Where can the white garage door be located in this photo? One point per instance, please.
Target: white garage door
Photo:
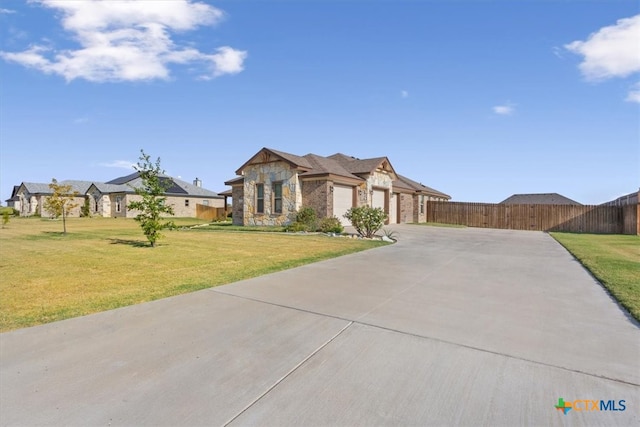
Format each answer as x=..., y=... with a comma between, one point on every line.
x=342, y=202
x=378, y=199
x=393, y=209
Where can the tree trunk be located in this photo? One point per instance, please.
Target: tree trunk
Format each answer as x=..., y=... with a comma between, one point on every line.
x=64, y=221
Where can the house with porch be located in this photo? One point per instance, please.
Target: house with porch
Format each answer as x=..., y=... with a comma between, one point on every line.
x=273, y=185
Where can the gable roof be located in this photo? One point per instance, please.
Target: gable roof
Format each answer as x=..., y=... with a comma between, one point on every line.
x=362, y=166
x=14, y=194
x=175, y=186
x=539, y=199
x=268, y=154
x=409, y=184
x=326, y=166
x=41, y=188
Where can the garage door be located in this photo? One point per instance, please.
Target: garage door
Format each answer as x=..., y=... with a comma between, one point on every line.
x=342, y=202
x=393, y=209
x=378, y=199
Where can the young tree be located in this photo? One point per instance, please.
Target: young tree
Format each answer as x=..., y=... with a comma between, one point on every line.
x=152, y=203
x=61, y=201
x=5, y=217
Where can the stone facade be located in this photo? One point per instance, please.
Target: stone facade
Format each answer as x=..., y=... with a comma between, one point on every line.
x=33, y=204
x=237, y=195
x=268, y=174
x=406, y=208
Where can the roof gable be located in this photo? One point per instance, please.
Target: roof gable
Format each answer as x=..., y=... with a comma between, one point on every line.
x=363, y=166
x=266, y=155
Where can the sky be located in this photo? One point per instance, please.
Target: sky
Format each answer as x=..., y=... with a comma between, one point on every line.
x=478, y=99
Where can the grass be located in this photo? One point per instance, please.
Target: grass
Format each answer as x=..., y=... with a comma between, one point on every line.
x=613, y=259
x=105, y=263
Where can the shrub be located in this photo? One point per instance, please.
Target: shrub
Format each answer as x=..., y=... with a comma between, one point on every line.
x=366, y=220
x=85, y=209
x=331, y=225
x=295, y=227
x=308, y=217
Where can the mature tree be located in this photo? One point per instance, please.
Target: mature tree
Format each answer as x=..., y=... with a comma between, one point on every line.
x=61, y=201
x=152, y=204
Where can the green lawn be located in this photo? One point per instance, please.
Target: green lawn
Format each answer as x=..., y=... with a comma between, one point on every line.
x=613, y=259
x=104, y=263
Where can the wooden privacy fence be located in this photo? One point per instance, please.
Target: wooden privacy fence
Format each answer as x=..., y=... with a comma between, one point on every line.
x=209, y=213
x=585, y=219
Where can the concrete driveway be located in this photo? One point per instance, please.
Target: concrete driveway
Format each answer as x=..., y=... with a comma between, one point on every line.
x=446, y=327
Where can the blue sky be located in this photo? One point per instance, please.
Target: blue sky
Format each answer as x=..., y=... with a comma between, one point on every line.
x=478, y=99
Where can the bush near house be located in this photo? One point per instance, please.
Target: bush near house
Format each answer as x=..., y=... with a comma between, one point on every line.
x=366, y=220
x=331, y=225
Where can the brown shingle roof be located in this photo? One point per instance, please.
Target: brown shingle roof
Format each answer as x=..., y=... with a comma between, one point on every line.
x=324, y=165
x=355, y=165
x=407, y=183
x=539, y=199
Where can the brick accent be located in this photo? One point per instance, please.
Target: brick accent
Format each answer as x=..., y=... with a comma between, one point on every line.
x=406, y=208
x=316, y=195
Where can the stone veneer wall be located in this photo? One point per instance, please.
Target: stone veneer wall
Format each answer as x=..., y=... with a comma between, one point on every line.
x=267, y=174
x=378, y=180
x=417, y=216
x=316, y=195
x=237, y=195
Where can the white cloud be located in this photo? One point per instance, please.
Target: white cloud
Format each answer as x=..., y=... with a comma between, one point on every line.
x=505, y=110
x=128, y=40
x=122, y=164
x=404, y=94
x=6, y=11
x=634, y=94
x=611, y=51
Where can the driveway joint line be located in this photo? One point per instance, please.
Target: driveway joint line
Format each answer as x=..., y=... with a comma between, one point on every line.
x=285, y=376
x=359, y=322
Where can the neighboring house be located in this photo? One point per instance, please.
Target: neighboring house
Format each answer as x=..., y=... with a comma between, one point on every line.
x=274, y=185
x=14, y=201
x=110, y=199
x=539, y=199
x=32, y=197
x=627, y=199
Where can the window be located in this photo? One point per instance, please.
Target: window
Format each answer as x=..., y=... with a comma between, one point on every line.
x=205, y=202
x=118, y=203
x=186, y=203
x=277, y=197
x=259, y=198
x=421, y=204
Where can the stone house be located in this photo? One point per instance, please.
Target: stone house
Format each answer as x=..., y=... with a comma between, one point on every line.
x=110, y=199
x=14, y=200
x=272, y=186
x=33, y=195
